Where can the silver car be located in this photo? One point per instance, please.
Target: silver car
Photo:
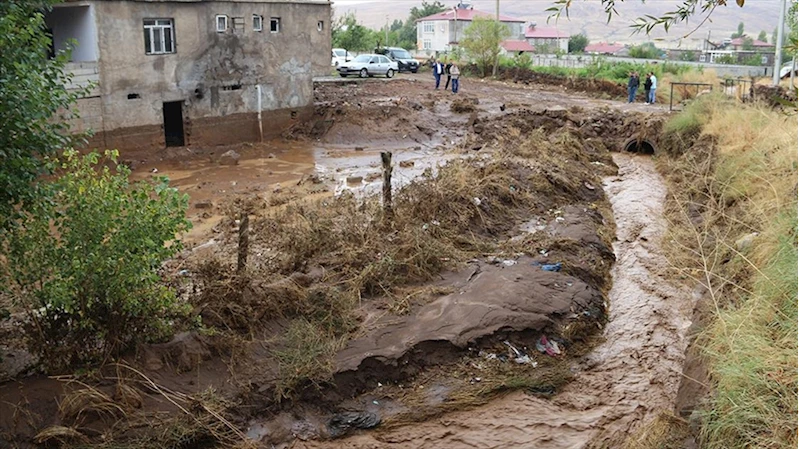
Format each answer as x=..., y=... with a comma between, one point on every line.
x=368, y=65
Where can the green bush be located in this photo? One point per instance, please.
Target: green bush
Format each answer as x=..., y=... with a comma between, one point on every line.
x=83, y=264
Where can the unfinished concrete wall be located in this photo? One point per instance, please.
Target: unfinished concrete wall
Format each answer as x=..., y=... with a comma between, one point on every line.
x=214, y=73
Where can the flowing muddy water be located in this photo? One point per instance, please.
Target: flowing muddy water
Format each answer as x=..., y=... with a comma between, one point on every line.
x=626, y=381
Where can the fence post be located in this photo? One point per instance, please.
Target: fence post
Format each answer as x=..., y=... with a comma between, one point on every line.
x=244, y=242
x=385, y=157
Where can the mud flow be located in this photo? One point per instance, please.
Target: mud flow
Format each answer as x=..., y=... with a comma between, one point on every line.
x=510, y=296
x=624, y=382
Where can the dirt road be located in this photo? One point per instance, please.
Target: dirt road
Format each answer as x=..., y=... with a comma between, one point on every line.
x=624, y=382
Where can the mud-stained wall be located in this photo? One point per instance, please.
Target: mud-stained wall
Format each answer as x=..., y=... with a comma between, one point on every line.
x=214, y=73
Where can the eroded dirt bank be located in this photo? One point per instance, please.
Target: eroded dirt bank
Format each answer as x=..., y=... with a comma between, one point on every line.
x=627, y=380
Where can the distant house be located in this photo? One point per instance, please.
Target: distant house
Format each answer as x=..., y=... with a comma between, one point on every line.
x=443, y=32
x=737, y=44
x=604, y=48
x=544, y=37
x=515, y=47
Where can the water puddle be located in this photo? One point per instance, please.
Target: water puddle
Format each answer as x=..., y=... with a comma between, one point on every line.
x=626, y=381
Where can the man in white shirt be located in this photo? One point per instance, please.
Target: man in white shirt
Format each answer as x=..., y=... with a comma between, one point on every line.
x=654, y=79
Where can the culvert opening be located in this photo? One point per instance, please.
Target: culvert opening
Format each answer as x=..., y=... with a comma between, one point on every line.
x=641, y=146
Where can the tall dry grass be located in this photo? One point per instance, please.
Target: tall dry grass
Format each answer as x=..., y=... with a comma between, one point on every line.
x=734, y=209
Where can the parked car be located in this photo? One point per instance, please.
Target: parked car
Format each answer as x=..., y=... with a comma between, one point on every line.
x=340, y=56
x=368, y=65
x=785, y=71
x=405, y=61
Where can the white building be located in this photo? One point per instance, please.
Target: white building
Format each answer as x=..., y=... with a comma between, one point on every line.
x=442, y=32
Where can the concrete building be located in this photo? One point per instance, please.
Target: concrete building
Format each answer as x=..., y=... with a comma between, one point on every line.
x=443, y=32
x=546, y=39
x=193, y=72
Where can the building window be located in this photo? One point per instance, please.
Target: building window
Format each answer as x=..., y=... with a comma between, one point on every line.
x=159, y=36
x=274, y=24
x=701, y=58
x=429, y=27
x=320, y=25
x=221, y=24
x=257, y=22
x=764, y=60
x=238, y=24
x=427, y=44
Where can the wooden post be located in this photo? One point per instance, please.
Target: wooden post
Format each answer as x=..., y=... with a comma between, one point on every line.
x=385, y=156
x=244, y=242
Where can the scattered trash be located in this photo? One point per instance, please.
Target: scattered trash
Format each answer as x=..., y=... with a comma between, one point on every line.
x=475, y=380
x=559, y=219
x=155, y=170
x=521, y=358
x=476, y=201
x=543, y=252
x=375, y=402
x=509, y=262
x=589, y=186
x=551, y=266
x=183, y=272
x=379, y=385
x=342, y=423
x=546, y=346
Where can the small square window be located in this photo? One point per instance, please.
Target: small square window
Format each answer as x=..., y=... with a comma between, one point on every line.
x=274, y=24
x=238, y=24
x=320, y=25
x=221, y=24
x=257, y=22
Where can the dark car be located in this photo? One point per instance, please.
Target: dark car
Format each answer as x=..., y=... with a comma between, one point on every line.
x=405, y=61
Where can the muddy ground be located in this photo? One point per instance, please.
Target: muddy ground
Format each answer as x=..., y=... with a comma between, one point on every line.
x=519, y=274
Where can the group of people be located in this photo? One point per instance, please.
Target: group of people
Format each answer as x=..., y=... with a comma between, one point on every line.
x=650, y=86
x=451, y=70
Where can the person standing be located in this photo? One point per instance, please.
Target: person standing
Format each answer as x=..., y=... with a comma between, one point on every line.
x=438, y=69
x=654, y=87
x=647, y=87
x=455, y=73
x=449, y=76
x=632, y=87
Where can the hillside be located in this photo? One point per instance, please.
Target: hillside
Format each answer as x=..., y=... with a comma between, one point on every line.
x=589, y=17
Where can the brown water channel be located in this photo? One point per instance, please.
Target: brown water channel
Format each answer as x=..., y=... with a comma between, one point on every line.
x=625, y=382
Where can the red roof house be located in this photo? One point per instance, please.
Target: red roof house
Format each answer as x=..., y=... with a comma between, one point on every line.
x=604, y=48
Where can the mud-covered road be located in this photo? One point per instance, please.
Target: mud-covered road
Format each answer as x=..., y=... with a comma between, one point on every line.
x=626, y=381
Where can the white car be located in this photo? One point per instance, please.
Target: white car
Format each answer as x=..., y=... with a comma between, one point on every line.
x=340, y=56
x=785, y=71
x=369, y=65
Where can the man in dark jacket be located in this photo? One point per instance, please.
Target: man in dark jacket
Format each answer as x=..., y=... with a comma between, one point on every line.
x=632, y=86
x=449, y=76
x=647, y=86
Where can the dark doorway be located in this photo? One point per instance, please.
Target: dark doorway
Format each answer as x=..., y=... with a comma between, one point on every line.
x=173, y=124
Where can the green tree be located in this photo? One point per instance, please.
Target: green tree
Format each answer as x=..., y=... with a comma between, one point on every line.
x=481, y=42
x=645, y=51
x=762, y=37
x=740, y=32
x=688, y=55
x=426, y=9
x=774, y=36
x=748, y=43
x=83, y=263
x=791, y=43
x=577, y=43
x=35, y=105
x=349, y=34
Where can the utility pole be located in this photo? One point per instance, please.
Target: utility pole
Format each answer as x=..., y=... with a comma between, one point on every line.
x=778, y=51
x=496, y=59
